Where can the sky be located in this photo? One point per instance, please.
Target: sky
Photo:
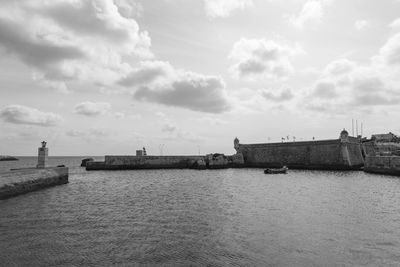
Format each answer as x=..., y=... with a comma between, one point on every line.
x=108, y=77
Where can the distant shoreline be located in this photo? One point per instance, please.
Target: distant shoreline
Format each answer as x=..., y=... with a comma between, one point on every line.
x=8, y=158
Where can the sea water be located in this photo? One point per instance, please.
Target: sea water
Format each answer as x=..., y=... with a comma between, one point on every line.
x=232, y=217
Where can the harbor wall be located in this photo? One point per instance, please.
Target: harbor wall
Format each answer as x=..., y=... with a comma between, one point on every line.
x=127, y=162
x=13, y=183
x=382, y=164
x=336, y=154
x=149, y=162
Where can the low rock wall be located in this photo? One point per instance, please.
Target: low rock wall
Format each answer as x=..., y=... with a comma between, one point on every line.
x=382, y=164
x=18, y=182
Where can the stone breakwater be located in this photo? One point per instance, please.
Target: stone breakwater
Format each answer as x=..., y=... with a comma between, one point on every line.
x=389, y=164
x=211, y=161
x=22, y=181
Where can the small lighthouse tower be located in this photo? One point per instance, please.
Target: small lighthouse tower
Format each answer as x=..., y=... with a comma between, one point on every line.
x=43, y=153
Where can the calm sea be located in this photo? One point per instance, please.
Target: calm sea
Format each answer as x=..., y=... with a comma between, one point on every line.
x=234, y=217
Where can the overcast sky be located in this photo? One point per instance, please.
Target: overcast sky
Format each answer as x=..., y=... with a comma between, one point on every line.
x=187, y=76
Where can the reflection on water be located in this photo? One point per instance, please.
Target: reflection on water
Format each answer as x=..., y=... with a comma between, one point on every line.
x=213, y=217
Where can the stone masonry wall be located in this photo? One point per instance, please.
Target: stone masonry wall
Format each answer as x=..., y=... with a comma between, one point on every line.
x=326, y=154
x=18, y=182
x=382, y=164
x=210, y=161
x=143, y=162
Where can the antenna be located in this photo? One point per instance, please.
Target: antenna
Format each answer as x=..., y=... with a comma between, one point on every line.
x=356, y=127
x=352, y=127
x=361, y=128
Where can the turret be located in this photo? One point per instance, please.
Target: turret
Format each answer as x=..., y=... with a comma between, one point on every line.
x=344, y=136
x=236, y=144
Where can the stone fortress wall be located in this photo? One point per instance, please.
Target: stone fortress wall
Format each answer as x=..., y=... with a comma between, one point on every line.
x=382, y=164
x=337, y=154
x=382, y=154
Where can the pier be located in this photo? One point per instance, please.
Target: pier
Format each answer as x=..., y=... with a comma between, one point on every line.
x=13, y=183
x=21, y=181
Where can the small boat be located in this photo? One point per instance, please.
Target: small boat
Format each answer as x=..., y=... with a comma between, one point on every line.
x=284, y=169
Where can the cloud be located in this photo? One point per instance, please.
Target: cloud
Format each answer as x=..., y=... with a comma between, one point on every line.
x=324, y=89
x=73, y=40
x=173, y=133
x=129, y=9
x=395, y=23
x=339, y=67
x=167, y=125
x=345, y=85
x=213, y=120
x=311, y=12
x=187, y=90
x=255, y=57
x=390, y=52
x=284, y=95
x=376, y=99
x=147, y=72
x=361, y=24
x=18, y=114
x=119, y=115
x=92, y=108
x=224, y=8
x=37, y=53
x=75, y=133
x=88, y=134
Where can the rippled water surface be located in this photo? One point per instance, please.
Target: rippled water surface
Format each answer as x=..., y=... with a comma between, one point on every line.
x=238, y=217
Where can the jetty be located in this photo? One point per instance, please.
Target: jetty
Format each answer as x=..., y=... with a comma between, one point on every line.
x=21, y=181
x=142, y=161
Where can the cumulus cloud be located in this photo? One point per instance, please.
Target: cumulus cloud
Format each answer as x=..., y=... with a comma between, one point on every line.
x=172, y=132
x=213, y=120
x=88, y=134
x=390, y=52
x=92, y=108
x=129, y=9
x=187, y=90
x=361, y=24
x=80, y=40
x=284, y=95
x=167, y=125
x=119, y=115
x=223, y=8
x=339, y=67
x=147, y=72
x=99, y=42
x=18, y=114
x=256, y=57
x=311, y=12
x=324, y=89
x=395, y=23
x=347, y=85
